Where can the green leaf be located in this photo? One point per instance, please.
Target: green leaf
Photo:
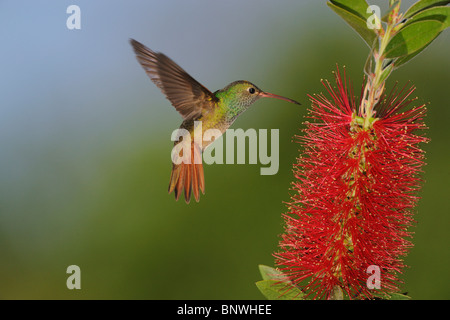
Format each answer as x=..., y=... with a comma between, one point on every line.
x=399, y=296
x=357, y=23
x=441, y=14
x=368, y=64
x=357, y=7
x=276, y=290
x=412, y=38
x=269, y=273
x=424, y=4
x=402, y=60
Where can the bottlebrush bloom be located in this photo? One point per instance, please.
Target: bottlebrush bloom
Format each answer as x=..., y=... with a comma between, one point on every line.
x=355, y=191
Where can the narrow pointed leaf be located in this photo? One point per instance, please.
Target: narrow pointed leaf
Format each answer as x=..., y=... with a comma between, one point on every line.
x=276, y=290
x=413, y=38
x=441, y=14
x=424, y=4
x=368, y=64
x=269, y=273
x=357, y=23
x=357, y=7
x=399, y=296
x=402, y=60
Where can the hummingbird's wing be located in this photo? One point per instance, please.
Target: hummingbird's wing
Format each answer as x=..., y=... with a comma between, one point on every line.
x=187, y=95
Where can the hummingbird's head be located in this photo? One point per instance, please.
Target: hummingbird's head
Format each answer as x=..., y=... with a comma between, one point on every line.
x=246, y=93
x=242, y=92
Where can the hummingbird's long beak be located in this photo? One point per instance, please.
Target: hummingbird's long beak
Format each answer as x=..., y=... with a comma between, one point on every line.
x=271, y=95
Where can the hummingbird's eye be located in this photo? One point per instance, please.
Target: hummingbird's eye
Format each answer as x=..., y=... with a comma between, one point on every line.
x=251, y=90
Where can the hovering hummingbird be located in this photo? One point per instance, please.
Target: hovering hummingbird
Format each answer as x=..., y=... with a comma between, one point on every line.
x=215, y=110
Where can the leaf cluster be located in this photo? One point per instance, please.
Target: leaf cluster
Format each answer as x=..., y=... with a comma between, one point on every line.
x=412, y=31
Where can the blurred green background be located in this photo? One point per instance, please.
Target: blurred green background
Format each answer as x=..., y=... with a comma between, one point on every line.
x=85, y=146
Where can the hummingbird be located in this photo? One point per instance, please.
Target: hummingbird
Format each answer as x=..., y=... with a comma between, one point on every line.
x=215, y=110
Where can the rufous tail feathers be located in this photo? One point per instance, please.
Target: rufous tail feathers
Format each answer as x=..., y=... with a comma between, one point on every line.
x=188, y=176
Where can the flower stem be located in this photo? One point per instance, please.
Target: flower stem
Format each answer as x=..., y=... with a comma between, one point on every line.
x=382, y=68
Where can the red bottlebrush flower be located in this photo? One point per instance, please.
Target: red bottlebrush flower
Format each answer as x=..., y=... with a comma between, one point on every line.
x=354, y=194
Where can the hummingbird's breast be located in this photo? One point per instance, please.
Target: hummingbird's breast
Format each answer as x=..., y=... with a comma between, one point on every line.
x=208, y=127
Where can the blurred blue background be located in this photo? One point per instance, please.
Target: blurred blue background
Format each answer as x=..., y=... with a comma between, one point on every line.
x=85, y=146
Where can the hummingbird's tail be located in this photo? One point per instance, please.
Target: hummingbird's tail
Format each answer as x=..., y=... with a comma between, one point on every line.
x=188, y=176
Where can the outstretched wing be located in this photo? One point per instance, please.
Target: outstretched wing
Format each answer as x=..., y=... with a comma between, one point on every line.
x=187, y=95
